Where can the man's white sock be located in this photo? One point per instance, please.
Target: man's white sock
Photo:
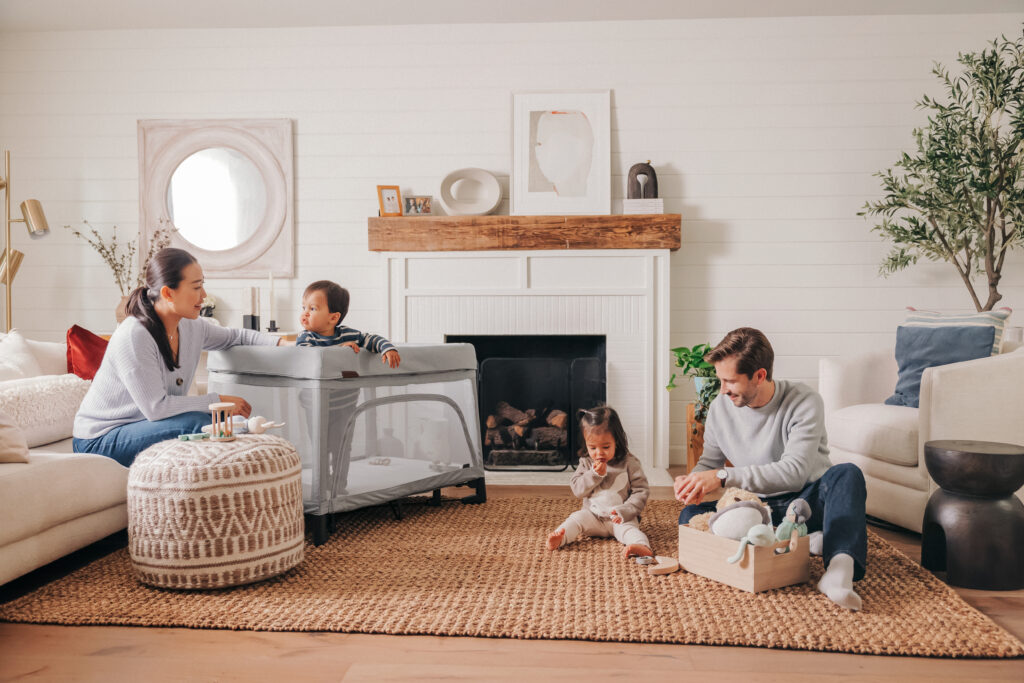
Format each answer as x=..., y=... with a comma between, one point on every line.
x=815, y=540
x=837, y=582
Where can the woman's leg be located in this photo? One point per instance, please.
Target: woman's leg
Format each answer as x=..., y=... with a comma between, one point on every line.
x=125, y=442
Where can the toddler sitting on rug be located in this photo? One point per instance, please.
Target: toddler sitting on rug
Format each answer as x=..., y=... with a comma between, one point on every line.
x=611, y=482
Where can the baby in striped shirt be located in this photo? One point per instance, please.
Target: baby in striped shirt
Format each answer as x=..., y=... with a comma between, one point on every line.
x=324, y=306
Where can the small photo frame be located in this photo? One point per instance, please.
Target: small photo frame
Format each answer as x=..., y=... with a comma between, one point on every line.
x=390, y=199
x=419, y=205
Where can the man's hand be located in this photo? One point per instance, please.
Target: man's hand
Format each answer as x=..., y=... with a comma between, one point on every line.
x=391, y=358
x=616, y=517
x=600, y=467
x=691, y=489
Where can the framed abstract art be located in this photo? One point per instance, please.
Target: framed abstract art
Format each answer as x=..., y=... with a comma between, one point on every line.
x=561, y=153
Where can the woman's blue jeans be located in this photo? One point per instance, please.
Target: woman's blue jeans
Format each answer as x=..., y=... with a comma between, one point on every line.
x=125, y=442
x=837, y=510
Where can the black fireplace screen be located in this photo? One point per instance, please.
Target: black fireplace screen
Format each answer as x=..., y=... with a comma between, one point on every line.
x=530, y=389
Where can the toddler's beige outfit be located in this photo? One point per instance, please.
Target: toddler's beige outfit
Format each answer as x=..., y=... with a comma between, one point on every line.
x=622, y=488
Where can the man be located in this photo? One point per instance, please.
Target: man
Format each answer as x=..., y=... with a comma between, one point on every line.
x=773, y=433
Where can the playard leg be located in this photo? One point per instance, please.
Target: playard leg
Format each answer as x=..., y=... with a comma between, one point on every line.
x=396, y=509
x=435, y=499
x=481, y=492
x=318, y=525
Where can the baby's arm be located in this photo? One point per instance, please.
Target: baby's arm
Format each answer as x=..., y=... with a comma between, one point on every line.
x=378, y=344
x=639, y=491
x=584, y=480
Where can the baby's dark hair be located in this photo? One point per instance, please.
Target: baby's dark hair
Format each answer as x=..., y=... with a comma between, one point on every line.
x=336, y=295
x=605, y=419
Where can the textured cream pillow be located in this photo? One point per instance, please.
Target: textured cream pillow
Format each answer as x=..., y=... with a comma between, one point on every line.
x=16, y=358
x=12, y=442
x=43, y=407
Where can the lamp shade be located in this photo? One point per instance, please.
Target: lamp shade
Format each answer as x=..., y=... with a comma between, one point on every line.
x=16, y=257
x=35, y=219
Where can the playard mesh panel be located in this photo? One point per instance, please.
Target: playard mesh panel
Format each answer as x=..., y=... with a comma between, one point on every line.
x=368, y=439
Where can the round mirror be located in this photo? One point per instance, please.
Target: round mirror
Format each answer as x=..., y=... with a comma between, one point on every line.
x=216, y=198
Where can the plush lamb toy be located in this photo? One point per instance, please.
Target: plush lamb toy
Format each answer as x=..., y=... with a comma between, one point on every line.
x=736, y=525
x=795, y=524
x=759, y=534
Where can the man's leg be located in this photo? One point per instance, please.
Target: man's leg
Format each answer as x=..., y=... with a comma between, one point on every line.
x=125, y=442
x=837, y=509
x=693, y=510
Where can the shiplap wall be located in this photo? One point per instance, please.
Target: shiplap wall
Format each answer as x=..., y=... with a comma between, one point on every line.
x=764, y=132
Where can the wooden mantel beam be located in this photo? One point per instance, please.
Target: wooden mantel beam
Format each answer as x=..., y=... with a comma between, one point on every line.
x=498, y=233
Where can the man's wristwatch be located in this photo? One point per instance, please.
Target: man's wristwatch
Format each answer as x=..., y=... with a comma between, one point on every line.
x=722, y=475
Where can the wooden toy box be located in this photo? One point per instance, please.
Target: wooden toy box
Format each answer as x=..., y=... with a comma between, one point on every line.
x=759, y=569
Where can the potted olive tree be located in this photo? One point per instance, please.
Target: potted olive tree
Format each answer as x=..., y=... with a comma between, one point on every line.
x=960, y=196
x=690, y=359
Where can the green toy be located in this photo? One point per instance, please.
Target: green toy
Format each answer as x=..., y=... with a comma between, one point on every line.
x=794, y=525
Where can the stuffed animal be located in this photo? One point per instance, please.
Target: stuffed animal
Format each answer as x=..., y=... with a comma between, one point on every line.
x=794, y=525
x=730, y=496
x=759, y=534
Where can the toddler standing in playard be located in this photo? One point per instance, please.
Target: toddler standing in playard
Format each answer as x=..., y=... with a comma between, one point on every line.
x=611, y=482
x=324, y=306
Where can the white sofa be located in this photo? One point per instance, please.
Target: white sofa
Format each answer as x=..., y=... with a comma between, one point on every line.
x=57, y=502
x=979, y=399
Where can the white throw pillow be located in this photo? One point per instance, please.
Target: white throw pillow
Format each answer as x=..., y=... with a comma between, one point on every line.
x=51, y=356
x=16, y=358
x=43, y=407
x=12, y=442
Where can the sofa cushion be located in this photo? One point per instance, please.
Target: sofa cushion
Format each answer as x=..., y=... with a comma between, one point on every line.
x=85, y=352
x=43, y=407
x=919, y=348
x=51, y=356
x=53, y=488
x=887, y=433
x=995, y=319
x=12, y=442
x=16, y=358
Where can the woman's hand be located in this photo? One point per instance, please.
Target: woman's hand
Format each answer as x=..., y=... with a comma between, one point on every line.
x=242, y=406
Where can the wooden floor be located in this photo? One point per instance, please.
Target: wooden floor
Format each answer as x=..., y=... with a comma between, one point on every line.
x=108, y=653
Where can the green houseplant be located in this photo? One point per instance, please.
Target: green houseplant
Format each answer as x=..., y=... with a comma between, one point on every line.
x=960, y=196
x=691, y=361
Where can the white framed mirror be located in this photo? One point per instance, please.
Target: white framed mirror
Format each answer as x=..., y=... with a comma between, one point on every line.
x=227, y=186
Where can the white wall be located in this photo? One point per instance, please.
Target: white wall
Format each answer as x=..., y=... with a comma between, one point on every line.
x=764, y=132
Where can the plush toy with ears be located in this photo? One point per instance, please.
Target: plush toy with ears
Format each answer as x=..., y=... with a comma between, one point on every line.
x=795, y=524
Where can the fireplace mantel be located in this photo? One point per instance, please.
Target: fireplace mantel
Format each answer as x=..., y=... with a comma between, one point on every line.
x=504, y=233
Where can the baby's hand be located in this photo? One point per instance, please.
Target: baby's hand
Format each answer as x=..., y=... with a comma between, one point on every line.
x=391, y=358
x=351, y=345
x=616, y=517
x=600, y=467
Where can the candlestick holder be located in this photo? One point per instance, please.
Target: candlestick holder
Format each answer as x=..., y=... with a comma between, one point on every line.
x=272, y=327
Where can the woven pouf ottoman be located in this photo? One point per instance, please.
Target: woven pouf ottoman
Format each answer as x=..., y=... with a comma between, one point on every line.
x=210, y=514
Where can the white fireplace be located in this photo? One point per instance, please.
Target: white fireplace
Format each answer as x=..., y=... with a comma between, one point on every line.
x=622, y=294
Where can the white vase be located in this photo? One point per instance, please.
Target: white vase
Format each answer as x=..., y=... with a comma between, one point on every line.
x=121, y=312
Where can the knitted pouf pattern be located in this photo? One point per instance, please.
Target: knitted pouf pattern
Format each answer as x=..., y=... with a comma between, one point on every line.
x=210, y=514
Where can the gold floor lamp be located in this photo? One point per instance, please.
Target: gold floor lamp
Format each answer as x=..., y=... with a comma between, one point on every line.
x=34, y=220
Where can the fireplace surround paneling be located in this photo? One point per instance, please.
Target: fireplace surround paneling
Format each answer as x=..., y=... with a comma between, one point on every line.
x=621, y=294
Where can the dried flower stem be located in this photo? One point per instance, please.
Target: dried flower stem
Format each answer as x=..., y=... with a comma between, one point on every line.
x=120, y=257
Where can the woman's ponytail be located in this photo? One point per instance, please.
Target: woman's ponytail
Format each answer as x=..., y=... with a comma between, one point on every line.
x=164, y=270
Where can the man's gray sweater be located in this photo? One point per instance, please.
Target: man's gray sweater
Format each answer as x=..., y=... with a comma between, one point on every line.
x=777, y=448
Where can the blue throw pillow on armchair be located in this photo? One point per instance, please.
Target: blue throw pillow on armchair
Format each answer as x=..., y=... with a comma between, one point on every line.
x=918, y=348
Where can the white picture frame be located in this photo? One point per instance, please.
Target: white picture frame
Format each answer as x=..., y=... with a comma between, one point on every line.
x=561, y=153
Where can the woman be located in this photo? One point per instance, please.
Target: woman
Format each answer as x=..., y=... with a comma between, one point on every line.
x=138, y=396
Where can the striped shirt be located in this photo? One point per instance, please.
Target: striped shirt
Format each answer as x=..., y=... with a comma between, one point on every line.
x=133, y=383
x=342, y=334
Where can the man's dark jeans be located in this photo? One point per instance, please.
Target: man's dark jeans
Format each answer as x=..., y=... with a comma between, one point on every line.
x=837, y=509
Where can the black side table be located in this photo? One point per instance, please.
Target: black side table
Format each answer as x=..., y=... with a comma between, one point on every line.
x=974, y=524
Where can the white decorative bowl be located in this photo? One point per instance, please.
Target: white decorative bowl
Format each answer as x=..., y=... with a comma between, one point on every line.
x=470, y=192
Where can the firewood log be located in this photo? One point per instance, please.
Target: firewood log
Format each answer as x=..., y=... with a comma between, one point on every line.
x=549, y=437
x=557, y=418
x=492, y=421
x=513, y=415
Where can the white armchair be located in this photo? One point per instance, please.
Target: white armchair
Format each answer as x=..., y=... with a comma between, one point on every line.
x=980, y=399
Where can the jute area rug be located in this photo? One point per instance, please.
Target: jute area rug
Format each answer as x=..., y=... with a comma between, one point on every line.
x=483, y=571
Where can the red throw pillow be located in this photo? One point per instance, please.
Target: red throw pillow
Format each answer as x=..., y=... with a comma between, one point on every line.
x=85, y=352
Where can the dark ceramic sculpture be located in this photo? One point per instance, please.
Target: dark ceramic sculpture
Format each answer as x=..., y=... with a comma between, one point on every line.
x=648, y=189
